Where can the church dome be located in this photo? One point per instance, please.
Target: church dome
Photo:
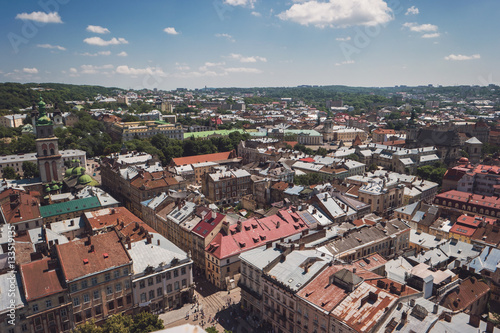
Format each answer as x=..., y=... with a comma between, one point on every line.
x=84, y=179
x=78, y=171
x=55, y=187
x=463, y=160
x=69, y=172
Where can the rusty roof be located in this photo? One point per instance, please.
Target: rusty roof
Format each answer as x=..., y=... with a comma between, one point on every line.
x=469, y=292
x=40, y=280
x=78, y=260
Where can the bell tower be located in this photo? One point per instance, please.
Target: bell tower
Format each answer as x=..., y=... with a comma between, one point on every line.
x=49, y=159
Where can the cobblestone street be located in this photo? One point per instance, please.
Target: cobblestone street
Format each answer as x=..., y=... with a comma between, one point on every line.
x=220, y=309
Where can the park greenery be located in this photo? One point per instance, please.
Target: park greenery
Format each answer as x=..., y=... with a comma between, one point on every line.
x=143, y=322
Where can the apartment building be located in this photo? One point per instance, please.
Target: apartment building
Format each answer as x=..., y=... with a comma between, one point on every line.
x=145, y=129
x=97, y=272
x=226, y=186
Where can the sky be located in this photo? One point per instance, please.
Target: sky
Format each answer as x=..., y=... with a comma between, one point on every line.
x=169, y=44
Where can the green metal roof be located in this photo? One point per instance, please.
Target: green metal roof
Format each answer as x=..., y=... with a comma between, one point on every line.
x=208, y=133
x=69, y=206
x=310, y=132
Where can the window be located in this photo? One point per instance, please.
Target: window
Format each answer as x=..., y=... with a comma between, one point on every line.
x=150, y=281
x=76, y=301
x=84, y=284
x=158, y=279
x=63, y=312
x=169, y=288
x=176, y=273
x=176, y=285
x=143, y=297
x=24, y=327
x=159, y=292
x=97, y=294
x=98, y=310
x=107, y=277
x=88, y=313
x=120, y=302
x=109, y=290
x=228, y=269
x=127, y=284
x=184, y=283
x=117, y=274
x=118, y=287
x=111, y=305
x=86, y=298
x=129, y=299
x=183, y=270
x=125, y=271
x=35, y=307
x=151, y=294
x=94, y=281
x=74, y=287
x=142, y=284
x=78, y=317
x=48, y=303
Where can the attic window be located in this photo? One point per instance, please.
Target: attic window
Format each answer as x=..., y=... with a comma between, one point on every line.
x=105, y=255
x=85, y=261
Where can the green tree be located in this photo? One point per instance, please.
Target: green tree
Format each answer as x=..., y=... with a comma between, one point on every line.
x=88, y=327
x=146, y=322
x=321, y=151
x=118, y=324
x=373, y=167
x=353, y=157
x=30, y=170
x=9, y=173
x=211, y=329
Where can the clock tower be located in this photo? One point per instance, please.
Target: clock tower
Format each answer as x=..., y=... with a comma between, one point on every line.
x=49, y=159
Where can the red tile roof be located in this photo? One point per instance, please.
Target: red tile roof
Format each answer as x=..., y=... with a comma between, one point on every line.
x=72, y=255
x=490, y=234
x=462, y=230
x=153, y=180
x=469, y=292
x=40, y=281
x=280, y=186
x=107, y=217
x=255, y=232
x=204, y=158
x=19, y=206
x=475, y=199
x=474, y=221
x=208, y=223
x=384, y=131
x=307, y=159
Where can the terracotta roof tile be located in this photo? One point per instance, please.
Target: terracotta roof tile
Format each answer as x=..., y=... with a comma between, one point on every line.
x=469, y=291
x=71, y=255
x=40, y=281
x=203, y=158
x=19, y=206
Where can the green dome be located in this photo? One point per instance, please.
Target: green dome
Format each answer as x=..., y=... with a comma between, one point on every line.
x=41, y=103
x=69, y=172
x=84, y=179
x=54, y=187
x=47, y=188
x=78, y=171
x=43, y=120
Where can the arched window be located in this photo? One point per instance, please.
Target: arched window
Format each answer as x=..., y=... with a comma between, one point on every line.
x=44, y=148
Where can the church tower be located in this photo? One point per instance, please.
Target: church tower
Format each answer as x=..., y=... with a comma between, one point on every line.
x=49, y=159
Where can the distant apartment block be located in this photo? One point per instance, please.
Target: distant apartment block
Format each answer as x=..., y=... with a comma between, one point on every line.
x=145, y=129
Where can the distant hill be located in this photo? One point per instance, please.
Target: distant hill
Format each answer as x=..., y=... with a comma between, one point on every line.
x=17, y=95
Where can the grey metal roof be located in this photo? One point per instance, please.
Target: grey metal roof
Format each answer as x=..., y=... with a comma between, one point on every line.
x=260, y=257
x=488, y=259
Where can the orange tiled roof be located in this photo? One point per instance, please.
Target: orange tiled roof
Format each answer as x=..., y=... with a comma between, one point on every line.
x=40, y=281
x=202, y=158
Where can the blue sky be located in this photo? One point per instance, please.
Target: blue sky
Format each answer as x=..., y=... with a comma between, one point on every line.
x=246, y=43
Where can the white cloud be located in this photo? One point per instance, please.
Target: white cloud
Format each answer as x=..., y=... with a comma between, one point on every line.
x=412, y=11
x=171, y=31
x=243, y=3
x=30, y=70
x=256, y=14
x=339, y=13
x=460, y=57
x=343, y=39
x=104, y=53
x=41, y=17
x=122, y=54
x=227, y=36
x=101, y=42
x=433, y=35
x=205, y=67
x=139, y=71
x=347, y=62
x=48, y=46
x=243, y=70
x=97, y=29
x=420, y=27
x=91, y=69
x=241, y=58
x=73, y=70
x=182, y=67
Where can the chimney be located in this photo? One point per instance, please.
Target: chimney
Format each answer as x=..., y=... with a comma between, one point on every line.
x=214, y=214
x=490, y=326
x=52, y=264
x=89, y=241
x=302, y=246
x=435, y=309
x=269, y=245
x=129, y=244
x=158, y=242
x=277, y=224
x=148, y=239
x=117, y=221
x=354, y=270
x=91, y=248
x=474, y=320
x=238, y=226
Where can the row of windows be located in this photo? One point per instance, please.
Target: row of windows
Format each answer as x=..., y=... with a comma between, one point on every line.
x=94, y=281
x=48, y=304
x=167, y=275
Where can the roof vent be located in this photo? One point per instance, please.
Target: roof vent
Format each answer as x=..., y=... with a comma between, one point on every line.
x=85, y=261
x=105, y=255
